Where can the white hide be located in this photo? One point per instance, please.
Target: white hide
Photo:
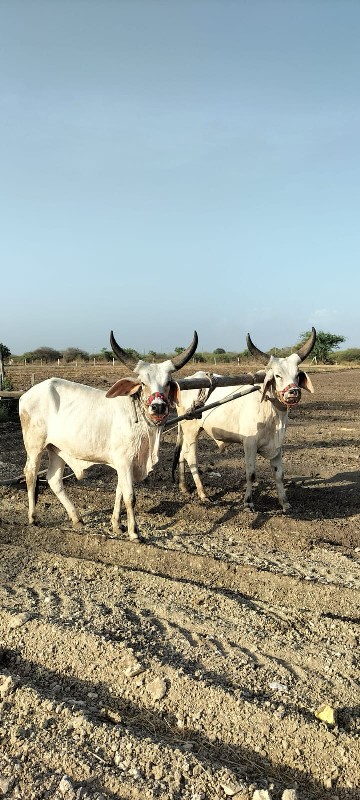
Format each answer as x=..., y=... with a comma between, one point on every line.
x=257, y=420
x=80, y=426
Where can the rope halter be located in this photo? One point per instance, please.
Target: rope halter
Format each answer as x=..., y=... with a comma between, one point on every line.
x=290, y=396
x=157, y=407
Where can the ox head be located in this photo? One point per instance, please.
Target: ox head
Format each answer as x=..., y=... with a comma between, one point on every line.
x=283, y=379
x=153, y=384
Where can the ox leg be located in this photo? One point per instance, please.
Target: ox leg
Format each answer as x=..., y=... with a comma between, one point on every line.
x=250, y=470
x=278, y=471
x=182, y=480
x=31, y=472
x=54, y=477
x=189, y=454
x=116, y=515
x=126, y=493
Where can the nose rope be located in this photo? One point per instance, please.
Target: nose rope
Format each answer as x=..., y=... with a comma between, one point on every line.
x=290, y=386
x=157, y=396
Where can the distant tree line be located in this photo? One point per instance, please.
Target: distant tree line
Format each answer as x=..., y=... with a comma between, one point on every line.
x=325, y=351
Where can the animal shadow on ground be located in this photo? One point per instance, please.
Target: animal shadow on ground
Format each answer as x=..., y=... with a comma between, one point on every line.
x=32, y=675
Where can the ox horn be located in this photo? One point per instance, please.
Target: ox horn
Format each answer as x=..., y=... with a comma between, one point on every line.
x=307, y=347
x=263, y=357
x=182, y=358
x=120, y=353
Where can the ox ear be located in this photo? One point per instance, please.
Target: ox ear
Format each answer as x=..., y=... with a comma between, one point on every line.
x=268, y=381
x=174, y=393
x=305, y=382
x=122, y=387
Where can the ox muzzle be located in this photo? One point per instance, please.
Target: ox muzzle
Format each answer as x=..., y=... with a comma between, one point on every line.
x=157, y=407
x=291, y=395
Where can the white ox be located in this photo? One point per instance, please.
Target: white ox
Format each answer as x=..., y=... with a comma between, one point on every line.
x=81, y=426
x=258, y=420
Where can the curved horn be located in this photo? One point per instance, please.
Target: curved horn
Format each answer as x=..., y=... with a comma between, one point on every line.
x=307, y=347
x=182, y=358
x=263, y=357
x=120, y=353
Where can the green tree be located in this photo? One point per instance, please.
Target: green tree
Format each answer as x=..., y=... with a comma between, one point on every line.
x=133, y=353
x=4, y=351
x=104, y=355
x=28, y=356
x=74, y=354
x=324, y=346
x=46, y=354
x=219, y=351
x=108, y=355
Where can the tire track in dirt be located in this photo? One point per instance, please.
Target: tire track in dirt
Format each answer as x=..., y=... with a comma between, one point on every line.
x=202, y=570
x=250, y=624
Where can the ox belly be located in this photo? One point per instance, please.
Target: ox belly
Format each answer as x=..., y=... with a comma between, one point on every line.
x=236, y=420
x=246, y=418
x=137, y=454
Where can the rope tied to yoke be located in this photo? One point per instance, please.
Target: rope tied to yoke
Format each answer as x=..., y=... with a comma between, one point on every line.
x=202, y=396
x=199, y=410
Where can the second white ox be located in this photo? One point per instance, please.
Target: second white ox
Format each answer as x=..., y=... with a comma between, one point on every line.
x=81, y=426
x=258, y=420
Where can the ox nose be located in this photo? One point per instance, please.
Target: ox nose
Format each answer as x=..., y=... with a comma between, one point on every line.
x=159, y=408
x=158, y=405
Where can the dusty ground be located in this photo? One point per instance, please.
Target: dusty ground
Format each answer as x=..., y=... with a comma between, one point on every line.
x=189, y=666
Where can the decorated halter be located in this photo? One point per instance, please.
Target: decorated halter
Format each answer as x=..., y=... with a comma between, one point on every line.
x=157, y=419
x=293, y=399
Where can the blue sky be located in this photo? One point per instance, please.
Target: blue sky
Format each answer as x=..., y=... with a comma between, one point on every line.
x=171, y=165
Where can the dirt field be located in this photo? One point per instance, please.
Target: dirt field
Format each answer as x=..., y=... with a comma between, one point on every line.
x=189, y=666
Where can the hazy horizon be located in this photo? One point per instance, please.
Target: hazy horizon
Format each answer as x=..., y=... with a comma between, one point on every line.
x=176, y=166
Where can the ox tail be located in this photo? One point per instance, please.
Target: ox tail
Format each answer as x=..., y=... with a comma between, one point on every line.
x=177, y=452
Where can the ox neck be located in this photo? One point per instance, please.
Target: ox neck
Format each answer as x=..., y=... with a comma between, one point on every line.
x=277, y=404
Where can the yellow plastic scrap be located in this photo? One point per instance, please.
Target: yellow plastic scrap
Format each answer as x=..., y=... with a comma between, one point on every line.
x=326, y=714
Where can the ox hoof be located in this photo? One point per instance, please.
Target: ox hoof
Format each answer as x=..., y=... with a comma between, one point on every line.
x=286, y=508
x=205, y=500
x=134, y=537
x=117, y=530
x=249, y=507
x=79, y=523
x=185, y=491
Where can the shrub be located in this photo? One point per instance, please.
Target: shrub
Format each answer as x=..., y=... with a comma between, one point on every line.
x=9, y=406
x=74, y=354
x=352, y=355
